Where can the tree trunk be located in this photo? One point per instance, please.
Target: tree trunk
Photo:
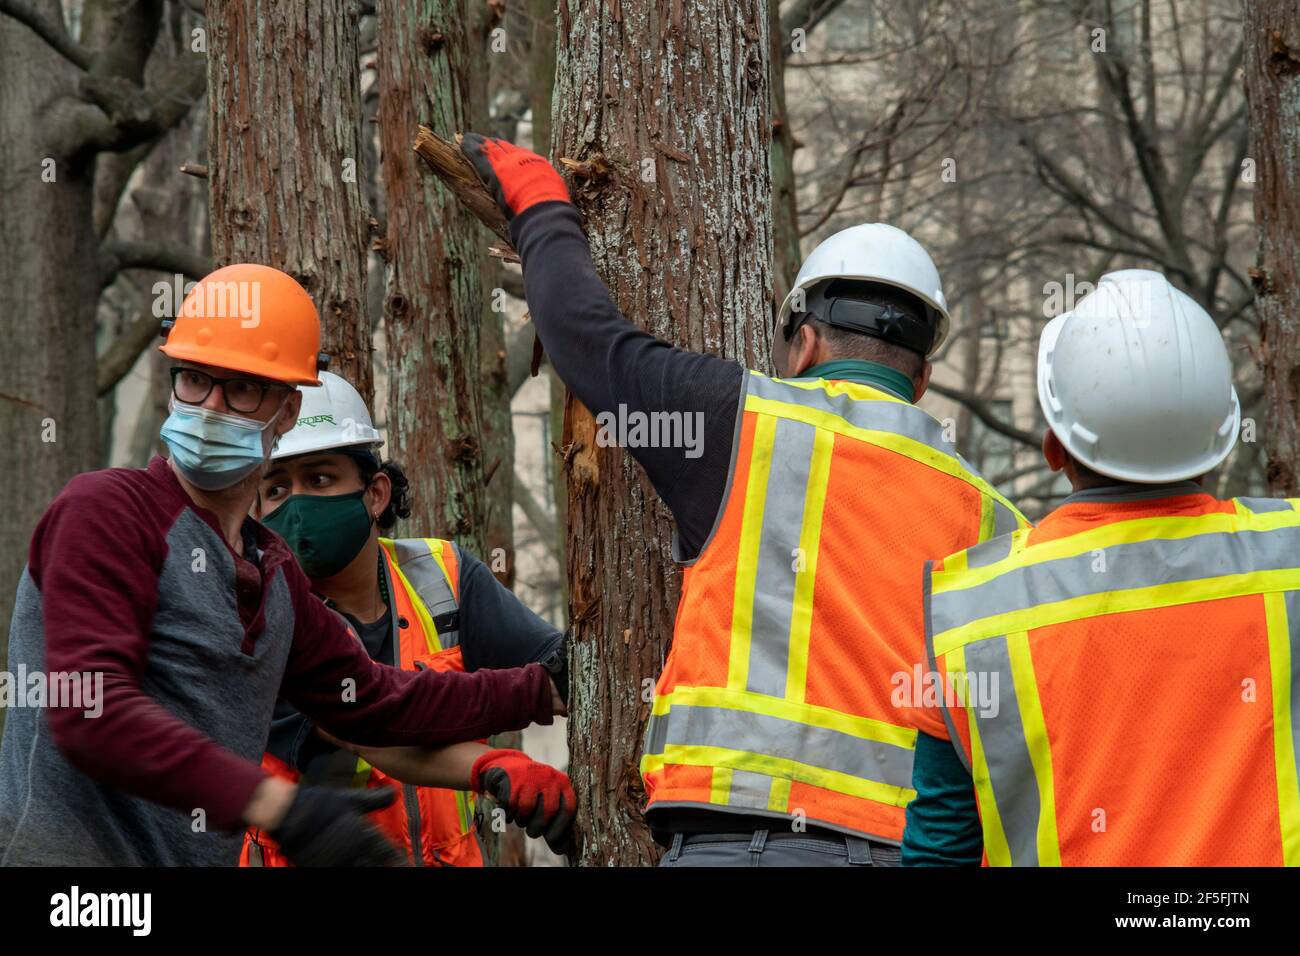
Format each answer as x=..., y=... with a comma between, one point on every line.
x=1272, y=68
x=284, y=158
x=786, y=256
x=434, y=307
x=50, y=284
x=677, y=101
x=449, y=399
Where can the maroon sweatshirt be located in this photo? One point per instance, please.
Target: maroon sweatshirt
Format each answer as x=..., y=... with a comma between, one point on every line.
x=129, y=579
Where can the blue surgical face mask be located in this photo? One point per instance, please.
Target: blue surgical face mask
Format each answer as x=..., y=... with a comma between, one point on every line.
x=214, y=450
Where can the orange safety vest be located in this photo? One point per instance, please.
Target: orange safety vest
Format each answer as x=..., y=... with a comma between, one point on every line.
x=1122, y=682
x=775, y=697
x=435, y=827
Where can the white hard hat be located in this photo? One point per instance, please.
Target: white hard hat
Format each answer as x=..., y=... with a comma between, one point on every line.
x=874, y=252
x=1136, y=381
x=332, y=416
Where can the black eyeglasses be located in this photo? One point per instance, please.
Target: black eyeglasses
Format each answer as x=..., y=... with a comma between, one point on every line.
x=246, y=395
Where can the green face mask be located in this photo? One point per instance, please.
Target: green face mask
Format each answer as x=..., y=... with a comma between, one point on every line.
x=325, y=531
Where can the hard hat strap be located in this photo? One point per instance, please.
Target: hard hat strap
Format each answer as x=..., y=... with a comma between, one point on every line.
x=884, y=322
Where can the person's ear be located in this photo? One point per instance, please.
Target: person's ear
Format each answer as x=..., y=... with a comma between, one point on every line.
x=289, y=415
x=379, y=494
x=1054, y=451
x=921, y=381
x=803, y=351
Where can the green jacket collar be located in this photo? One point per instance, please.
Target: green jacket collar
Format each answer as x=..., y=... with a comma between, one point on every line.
x=868, y=373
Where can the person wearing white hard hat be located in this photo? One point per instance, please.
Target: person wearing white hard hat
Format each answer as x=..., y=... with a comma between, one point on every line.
x=1117, y=686
x=804, y=508
x=415, y=603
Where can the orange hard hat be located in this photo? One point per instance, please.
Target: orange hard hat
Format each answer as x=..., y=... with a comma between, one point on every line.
x=249, y=318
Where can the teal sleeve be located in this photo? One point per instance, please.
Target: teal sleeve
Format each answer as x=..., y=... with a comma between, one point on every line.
x=943, y=824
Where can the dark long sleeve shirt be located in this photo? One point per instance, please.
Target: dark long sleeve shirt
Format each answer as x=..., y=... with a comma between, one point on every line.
x=607, y=361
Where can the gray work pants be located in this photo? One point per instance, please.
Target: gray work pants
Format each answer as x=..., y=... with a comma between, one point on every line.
x=777, y=848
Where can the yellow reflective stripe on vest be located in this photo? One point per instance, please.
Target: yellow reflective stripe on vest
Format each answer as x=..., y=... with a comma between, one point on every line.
x=776, y=564
x=756, y=733
x=1013, y=762
x=1120, y=567
x=422, y=571
x=977, y=618
x=1282, y=613
x=465, y=809
x=873, y=416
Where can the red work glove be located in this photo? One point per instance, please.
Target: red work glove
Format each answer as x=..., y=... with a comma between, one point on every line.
x=537, y=797
x=517, y=178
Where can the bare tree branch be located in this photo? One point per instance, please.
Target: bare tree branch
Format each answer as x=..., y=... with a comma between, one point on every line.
x=805, y=15
x=50, y=30
x=985, y=414
x=118, y=254
x=121, y=356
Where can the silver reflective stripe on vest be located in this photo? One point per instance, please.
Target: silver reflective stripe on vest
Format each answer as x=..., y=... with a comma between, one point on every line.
x=900, y=418
x=1134, y=564
x=1292, y=599
x=1261, y=506
x=1004, y=519
x=431, y=585
x=695, y=725
x=783, y=517
x=749, y=789
x=1006, y=753
x=990, y=552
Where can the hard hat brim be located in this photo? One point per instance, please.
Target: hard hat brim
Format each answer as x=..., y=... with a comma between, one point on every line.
x=235, y=362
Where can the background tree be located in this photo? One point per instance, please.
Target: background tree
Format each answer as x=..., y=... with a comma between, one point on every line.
x=65, y=102
x=448, y=394
x=284, y=158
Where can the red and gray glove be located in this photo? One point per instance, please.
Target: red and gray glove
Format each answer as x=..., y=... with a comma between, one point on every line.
x=537, y=797
x=517, y=178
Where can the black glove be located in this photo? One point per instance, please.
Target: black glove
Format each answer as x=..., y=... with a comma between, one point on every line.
x=557, y=665
x=327, y=827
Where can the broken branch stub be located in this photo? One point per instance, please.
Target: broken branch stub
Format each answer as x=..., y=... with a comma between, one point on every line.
x=457, y=174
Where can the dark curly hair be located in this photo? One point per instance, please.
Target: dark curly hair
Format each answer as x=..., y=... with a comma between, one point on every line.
x=399, y=504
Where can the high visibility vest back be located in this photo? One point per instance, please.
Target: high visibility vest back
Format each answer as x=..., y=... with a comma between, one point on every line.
x=433, y=826
x=775, y=699
x=1121, y=682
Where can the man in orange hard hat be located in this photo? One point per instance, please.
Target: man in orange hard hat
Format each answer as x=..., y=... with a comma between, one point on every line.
x=183, y=618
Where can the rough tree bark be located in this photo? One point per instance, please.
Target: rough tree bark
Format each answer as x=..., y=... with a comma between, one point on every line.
x=449, y=401
x=434, y=307
x=785, y=205
x=541, y=88
x=48, y=421
x=676, y=100
x=284, y=153
x=1272, y=68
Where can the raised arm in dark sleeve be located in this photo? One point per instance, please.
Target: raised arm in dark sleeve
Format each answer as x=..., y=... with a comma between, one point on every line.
x=607, y=361
x=331, y=678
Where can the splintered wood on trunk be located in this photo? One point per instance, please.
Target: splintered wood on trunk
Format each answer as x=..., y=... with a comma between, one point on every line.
x=458, y=174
